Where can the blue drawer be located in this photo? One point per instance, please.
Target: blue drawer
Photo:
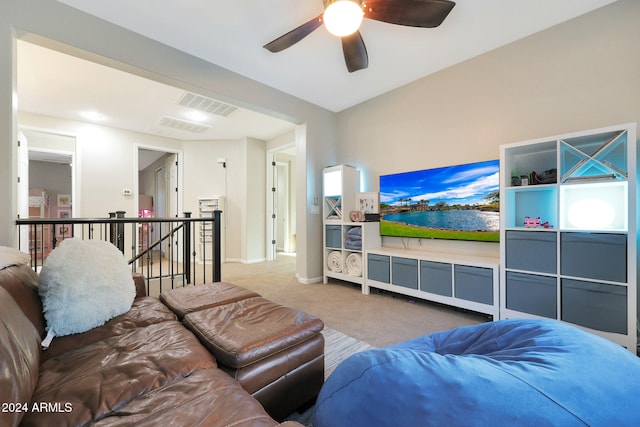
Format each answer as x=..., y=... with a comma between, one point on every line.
x=404, y=272
x=474, y=283
x=531, y=251
x=600, y=256
x=435, y=277
x=378, y=268
x=597, y=306
x=532, y=294
x=333, y=236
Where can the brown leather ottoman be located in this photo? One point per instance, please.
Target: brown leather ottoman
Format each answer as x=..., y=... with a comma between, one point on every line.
x=183, y=301
x=275, y=352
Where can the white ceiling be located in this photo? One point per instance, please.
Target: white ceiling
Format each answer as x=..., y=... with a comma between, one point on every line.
x=60, y=85
x=231, y=34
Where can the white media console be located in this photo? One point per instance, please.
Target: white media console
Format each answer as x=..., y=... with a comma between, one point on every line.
x=465, y=281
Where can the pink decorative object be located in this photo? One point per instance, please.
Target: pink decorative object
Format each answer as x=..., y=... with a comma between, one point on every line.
x=532, y=222
x=356, y=216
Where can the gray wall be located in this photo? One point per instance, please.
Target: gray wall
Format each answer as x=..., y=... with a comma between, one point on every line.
x=579, y=75
x=55, y=178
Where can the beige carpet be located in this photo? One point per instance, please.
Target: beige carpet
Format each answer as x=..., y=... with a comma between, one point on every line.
x=379, y=319
x=338, y=347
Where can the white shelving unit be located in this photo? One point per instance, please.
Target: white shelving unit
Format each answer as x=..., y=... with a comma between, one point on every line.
x=206, y=207
x=344, y=241
x=345, y=260
x=465, y=281
x=339, y=186
x=581, y=266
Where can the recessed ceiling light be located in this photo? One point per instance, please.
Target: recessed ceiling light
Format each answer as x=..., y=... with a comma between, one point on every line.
x=196, y=116
x=92, y=115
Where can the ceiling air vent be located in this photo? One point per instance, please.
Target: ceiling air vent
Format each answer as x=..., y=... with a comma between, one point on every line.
x=182, y=125
x=208, y=105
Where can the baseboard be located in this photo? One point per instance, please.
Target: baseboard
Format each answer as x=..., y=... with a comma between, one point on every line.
x=245, y=261
x=306, y=281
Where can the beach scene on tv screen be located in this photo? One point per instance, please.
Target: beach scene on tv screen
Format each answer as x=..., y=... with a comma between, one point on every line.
x=460, y=202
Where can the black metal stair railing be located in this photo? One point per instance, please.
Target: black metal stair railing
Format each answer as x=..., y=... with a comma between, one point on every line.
x=176, y=250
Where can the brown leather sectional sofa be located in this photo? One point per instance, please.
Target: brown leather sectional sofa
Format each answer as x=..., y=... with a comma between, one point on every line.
x=142, y=368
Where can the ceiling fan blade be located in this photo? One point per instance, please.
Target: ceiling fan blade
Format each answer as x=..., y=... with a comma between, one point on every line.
x=294, y=36
x=411, y=13
x=355, y=52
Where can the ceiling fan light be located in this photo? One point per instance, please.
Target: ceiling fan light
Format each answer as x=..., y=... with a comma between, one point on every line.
x=343, y=17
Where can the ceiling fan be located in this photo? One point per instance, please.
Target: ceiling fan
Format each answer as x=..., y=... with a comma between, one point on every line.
x=412, y=13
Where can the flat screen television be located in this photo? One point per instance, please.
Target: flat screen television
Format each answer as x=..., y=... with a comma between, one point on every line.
x=460, y=202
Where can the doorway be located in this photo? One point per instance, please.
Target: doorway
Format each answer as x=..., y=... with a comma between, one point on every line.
x=158, y=190
x=158, y=186
x=47, y=160
x=281, y=206
x=50, y=160
x=46, y=184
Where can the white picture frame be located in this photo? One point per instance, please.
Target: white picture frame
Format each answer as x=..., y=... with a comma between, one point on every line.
x=367, y=202
x=64, y=200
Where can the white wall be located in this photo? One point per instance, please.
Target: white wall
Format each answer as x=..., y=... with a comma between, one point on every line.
x=105, y=162
x=45, y=141
x=256, y=201
x=281, y=141
x=204, y=177
x=106, y=165
x=8, y=131
x=580, y=75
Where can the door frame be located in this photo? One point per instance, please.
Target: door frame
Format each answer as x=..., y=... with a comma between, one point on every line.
x=271, y=200
x=178, y=200
x=23, y=131
x=283, y=211
x=180, y=182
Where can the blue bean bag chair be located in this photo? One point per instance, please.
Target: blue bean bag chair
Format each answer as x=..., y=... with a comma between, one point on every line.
x=505, y=373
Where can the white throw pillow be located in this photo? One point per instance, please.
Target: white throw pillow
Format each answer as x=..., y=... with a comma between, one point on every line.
x=10, y=256
x=83, y=284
